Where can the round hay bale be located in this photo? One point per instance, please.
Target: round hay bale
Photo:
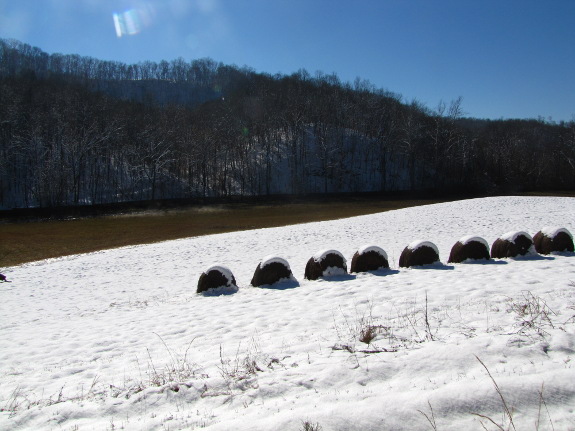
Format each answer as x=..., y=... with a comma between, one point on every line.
x=419, y=253
x=271, y=270
x=325, y=263
x=369, y=258
x=553, y=239
x=512, y=244
x=216, y=277
x=469, y=247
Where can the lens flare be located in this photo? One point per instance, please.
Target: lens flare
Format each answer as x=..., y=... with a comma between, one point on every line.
x=133, y=21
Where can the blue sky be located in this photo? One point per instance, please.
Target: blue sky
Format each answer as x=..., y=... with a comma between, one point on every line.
x=506, y=58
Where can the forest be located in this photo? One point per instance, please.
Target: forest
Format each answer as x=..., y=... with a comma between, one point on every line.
x=80, y=131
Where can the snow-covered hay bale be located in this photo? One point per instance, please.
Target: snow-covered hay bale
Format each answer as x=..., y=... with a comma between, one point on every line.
x=216, y=277
x=369, y=258
x=469, y=247
x=419, y=253
x=325, y=263
x=512, y=244
x=271, y=270
x=552, y=239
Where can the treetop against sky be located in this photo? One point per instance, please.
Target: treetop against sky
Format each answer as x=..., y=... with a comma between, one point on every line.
x=512, y=59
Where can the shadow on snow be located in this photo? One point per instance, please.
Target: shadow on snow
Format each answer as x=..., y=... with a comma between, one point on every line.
x=483, y=262
x=220, y=291
x=339, y=277
x=437, y=265
x=281, y=285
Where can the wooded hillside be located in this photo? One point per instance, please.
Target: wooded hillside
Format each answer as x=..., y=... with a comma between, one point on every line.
x=76, y=130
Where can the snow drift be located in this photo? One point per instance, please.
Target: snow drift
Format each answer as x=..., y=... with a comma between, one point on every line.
x=105, y=346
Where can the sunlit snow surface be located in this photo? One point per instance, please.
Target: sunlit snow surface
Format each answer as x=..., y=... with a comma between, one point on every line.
x=119, y=340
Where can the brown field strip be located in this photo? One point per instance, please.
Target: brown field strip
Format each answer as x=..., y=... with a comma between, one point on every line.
x=31, y=241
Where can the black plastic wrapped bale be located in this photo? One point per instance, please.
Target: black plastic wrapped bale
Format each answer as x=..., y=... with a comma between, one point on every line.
x=216, y=277
x=512, y=244
x=419, y=253
x=271, y=270
x=469, y=248
x=553, y=239
x=325, y=263
x=369, y=258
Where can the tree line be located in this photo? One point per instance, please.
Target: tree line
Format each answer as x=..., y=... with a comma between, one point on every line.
x=75, y=130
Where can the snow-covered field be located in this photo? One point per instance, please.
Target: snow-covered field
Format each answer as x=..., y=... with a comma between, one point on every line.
x=120, y=340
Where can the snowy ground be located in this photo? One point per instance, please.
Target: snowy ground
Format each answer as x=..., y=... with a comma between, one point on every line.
x=119, y=339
